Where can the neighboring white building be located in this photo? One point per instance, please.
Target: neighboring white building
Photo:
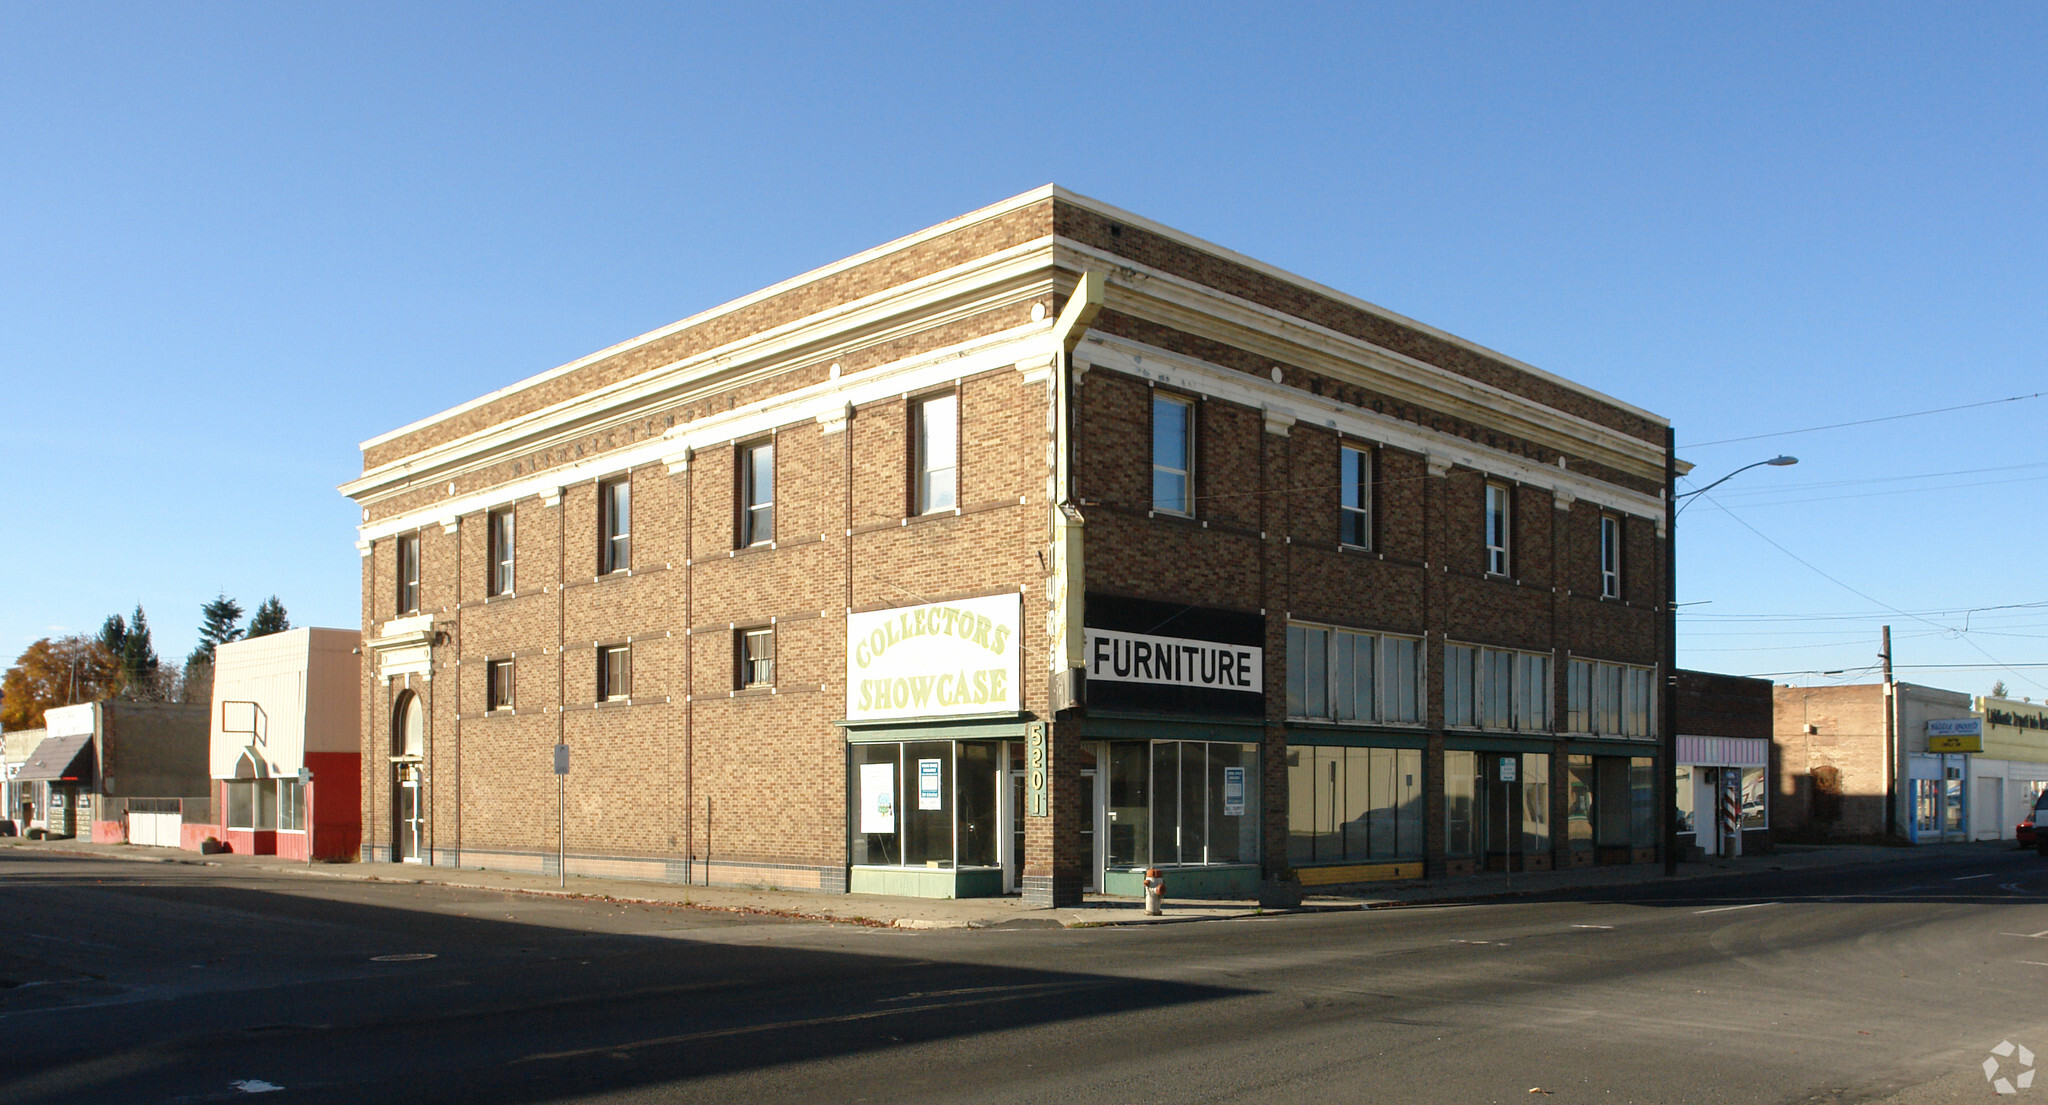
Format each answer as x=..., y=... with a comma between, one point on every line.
x=284, y=703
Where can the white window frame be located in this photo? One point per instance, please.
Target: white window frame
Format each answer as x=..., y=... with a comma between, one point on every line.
x=937, y=470
x=1610, y=556
x=1319, y=653
x=1186, y=472
x=408, y=572
x=1611, y=700
x=608, y=689
x=757, y=503
x=1355, y=496
x=754, y=671
x=1499, y=529
x=501, y=535
x=614, y=525
x=1497, y=689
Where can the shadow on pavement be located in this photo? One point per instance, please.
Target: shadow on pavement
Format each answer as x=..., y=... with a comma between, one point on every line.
x=156, y=988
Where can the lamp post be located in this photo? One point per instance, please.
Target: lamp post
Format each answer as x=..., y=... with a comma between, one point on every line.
x=1669, y=787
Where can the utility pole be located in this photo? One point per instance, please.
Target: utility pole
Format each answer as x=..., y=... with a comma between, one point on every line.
x=1891, y=741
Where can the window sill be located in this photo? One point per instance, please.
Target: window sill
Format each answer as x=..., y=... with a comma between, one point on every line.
x=758, y=691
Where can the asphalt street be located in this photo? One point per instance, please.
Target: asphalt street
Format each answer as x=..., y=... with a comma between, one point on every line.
x=161, y=982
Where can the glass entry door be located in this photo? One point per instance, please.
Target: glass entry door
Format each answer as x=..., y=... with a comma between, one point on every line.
x=406, y=843
x=1013, y=859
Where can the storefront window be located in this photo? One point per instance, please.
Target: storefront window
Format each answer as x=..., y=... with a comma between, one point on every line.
x=1353, y=804
x=976, y=793
x=1642, y=790
x=924, y=804
x=1461, y=771
x=241, y=798
x=1130, y=804
x=291, y=806
x=1535, y=803
x=1203, y=807
x=1579, y=802
x=1685, y=798
x=1755, y=803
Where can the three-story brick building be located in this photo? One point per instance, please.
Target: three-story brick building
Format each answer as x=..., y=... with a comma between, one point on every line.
x=1020, y=554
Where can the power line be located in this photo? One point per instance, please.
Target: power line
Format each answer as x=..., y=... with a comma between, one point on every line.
x=1864, y=421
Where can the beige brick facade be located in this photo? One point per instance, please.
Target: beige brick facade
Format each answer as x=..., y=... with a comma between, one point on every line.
x=691, y=775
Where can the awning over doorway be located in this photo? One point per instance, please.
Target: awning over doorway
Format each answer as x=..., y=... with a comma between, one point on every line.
x=61, y=759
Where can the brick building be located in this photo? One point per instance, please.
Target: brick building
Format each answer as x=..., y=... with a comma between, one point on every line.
x=1020, y=554
x=1902, y=761
x=1725, y=763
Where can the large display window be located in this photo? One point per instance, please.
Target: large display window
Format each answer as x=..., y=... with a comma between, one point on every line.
x=1182, y=803
x=1353, y=804
x=925, y=804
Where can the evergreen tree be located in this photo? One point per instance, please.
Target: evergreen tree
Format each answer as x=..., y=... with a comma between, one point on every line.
x=1998, y=688
x=269, y=618
x=220, y=622
x=128, y=641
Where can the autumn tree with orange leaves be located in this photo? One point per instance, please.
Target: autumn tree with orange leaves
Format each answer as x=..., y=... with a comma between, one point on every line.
x=58, y=672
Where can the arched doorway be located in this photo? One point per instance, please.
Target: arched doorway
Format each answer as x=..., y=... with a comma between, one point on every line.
x=408, y=750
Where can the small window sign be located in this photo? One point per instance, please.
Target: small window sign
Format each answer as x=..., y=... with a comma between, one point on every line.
x=1233, y=792
x=928, y=785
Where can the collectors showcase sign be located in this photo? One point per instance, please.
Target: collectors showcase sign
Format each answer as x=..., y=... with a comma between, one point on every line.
x=944, y=659
x=1172, y=658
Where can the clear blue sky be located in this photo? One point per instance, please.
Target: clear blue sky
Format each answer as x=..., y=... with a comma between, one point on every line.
x=236, y=240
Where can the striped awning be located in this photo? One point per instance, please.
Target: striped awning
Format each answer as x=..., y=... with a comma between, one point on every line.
x=1724, y=751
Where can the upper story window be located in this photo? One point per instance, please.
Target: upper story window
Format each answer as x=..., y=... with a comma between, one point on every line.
x=1173, y=453
x=1497, y=528
x=614, y=672
x=1610, y=557
x=614, y=525
x=497, y=685
x=1610, y=700
x=1355, y=512
x=757, y=494
x=1342, y=675
x=756, y=657
x=938, y=453
x=408, y=573
x=499, y=525
x=1489, y=688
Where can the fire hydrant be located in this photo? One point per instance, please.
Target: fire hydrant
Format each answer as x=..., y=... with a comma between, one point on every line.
x=1155, y=890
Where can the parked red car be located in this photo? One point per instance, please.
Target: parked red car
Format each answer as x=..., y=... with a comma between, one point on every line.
x=2024, y=831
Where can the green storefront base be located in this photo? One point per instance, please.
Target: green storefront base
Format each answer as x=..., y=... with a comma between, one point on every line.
x=926, y=882
x=1225, y=881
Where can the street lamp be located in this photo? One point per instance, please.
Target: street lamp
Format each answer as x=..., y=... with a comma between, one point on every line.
x=1670, y=710
x=1775, y=462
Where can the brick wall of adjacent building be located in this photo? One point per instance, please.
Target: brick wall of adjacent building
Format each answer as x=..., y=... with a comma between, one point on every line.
x=1832, y=751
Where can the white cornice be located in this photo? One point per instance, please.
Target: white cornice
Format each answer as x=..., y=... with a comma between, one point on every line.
x=814, y=404
x=1443, y=450
x=1159, y=296
x=960, y=292
x=1129, y=219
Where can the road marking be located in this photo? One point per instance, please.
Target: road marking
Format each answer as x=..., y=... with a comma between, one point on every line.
x=1726, y=908
x=2014, y=887
x=1592, y=926
x=2031, y=963
x=1967, y=878
x=255, y=1085
x=2027, y=935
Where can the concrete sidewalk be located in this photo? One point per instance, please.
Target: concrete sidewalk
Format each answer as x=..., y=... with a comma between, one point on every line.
x=932, y=913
